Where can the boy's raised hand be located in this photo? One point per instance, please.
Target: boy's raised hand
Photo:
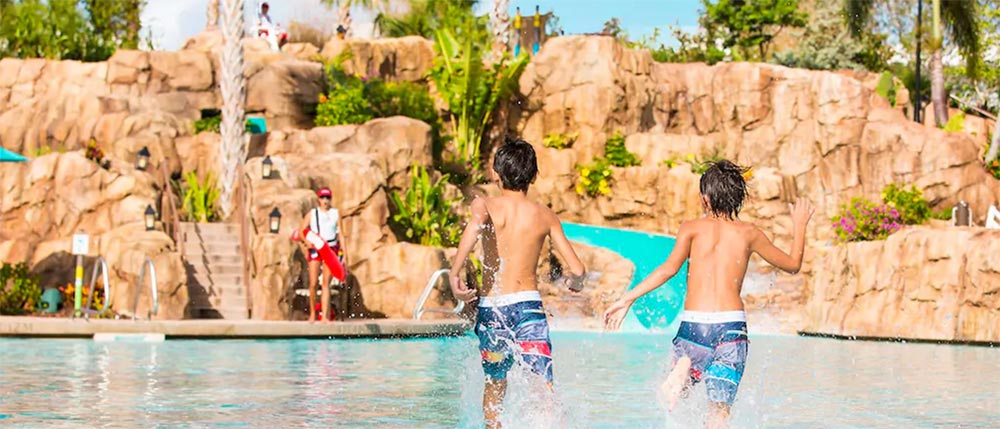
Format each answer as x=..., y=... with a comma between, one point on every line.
x=802, y=211
x=460, y=291
x=615, y=314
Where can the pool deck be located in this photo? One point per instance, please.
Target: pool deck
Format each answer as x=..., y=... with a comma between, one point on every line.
x=16, y=326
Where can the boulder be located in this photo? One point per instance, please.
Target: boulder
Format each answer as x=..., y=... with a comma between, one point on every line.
x=921, y=283
x=285, y=91
x=395, y=59
x=126, y=249
x=396, y=276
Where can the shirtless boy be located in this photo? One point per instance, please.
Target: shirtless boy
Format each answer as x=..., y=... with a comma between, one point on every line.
x=513, y=229
x=711, y=343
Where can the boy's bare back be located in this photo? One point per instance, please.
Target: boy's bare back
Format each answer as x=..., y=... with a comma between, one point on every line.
x=513, y=231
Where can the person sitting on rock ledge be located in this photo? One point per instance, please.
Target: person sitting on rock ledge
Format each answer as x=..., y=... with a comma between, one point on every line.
x=325, y=221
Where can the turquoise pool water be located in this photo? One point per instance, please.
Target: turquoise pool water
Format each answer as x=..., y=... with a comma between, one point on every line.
x=658, y=309
x=602, y=381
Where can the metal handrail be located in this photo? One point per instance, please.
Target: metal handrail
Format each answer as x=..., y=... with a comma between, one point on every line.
x=152, y=287
x=99, y=265
x=419, y=310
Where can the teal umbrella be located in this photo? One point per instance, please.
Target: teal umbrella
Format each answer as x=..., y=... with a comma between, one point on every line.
x=8, y=156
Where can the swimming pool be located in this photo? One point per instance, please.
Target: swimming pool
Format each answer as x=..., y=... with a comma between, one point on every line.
x=602, y=381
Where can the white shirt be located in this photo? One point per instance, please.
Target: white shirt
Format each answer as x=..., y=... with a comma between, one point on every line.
x=327, y=227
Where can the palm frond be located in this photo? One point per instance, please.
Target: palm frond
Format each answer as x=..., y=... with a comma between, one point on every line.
x=962, y=19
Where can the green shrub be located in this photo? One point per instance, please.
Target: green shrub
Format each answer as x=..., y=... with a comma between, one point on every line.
x=355, y=100
x=864, y=220
x=559, y=140
x=68, y=29
x=913, y=208
x=200, y=198
x=956, y=123
x=887, y=88
x=212, y=124
x=19, y=291
x=595, y=178
x=424, y=212
x=617, y=154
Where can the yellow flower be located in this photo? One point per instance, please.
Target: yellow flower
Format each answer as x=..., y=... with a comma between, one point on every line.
x=579, y=189
x=690, y=157
x=748, y=175
x=606, y=173
x=585, y=181
x=585, y=172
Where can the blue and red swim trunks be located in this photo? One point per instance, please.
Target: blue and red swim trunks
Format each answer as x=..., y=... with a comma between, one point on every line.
x=717, y=345
x=513, y=328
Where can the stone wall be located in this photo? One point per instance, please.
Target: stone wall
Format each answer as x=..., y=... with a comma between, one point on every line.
x=821, y=135
x=55, y=196
x=921, y=283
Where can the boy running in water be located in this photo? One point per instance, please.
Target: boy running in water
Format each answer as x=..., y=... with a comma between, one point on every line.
x=513, y=229
x=711, y=343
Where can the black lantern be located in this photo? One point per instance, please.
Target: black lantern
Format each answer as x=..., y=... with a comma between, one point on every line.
x=150, y=218
x=266, y=167
x=142, y=159
x=275, y=219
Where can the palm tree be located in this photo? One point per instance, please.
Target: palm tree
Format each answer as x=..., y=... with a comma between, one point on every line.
x=425, y=17
x=500, y=27
x=232, y=85
x=212, y=15
x=344, y=10
x=962, y=20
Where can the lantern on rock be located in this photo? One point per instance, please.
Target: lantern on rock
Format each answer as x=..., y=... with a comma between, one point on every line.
x=142, y=159
x=150, y=218
x=266, y=168
x=275, y=220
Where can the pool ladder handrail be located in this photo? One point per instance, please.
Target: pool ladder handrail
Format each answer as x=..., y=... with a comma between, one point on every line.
x=419, y=310
x=148, y=263
x=99, y=265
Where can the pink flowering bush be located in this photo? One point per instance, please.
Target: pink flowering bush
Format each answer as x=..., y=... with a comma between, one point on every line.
x=864, y=220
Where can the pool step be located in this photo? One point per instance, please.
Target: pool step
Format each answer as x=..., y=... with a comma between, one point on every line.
x=213, y=258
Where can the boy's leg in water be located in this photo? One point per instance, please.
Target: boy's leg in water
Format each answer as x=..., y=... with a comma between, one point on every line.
x=493, y=395
x=678, y=381
x=718, y=415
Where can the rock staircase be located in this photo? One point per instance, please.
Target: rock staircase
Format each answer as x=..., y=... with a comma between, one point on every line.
x=214, y=271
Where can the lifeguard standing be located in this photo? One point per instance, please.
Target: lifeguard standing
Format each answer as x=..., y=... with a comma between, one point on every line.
x=517, y=32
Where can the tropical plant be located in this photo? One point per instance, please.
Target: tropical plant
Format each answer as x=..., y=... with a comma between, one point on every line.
x=200, y=198
x=472, y=91
x=424, y=213
x=750, y=24
x=911, y=204
x=594, y=179
x=962, y=19
x=559, y=140
x=864, y=220
x=86, y=30
x=19, y=291
x=425, y=17
x=616, y=154
x=96, y=303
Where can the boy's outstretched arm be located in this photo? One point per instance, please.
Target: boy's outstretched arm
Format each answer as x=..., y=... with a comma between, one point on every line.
x=615, y=314
x=465, y=245
x=566, y=252
x=788, y=262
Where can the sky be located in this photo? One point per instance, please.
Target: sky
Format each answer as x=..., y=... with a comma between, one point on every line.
x=171, y=22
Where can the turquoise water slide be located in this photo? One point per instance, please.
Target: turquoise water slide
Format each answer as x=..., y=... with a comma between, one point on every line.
x=659, y=309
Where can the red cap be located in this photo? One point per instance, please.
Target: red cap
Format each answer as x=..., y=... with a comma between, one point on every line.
x=324, y=192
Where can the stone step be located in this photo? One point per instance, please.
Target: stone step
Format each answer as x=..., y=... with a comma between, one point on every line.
x=218, y=281
x=196, y=259
x=211, y=228
x=229, y=313
x=212, y=269
x=210, y=237
x=196, y=248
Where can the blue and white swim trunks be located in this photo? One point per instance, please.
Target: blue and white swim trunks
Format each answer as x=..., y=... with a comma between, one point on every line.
x=717, y=345
x=513, y=328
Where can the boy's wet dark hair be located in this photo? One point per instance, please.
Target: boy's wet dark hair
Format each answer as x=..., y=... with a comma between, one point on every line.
x=725, y=187
x=516, y=164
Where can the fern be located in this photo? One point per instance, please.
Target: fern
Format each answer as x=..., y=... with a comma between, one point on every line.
x=200, y=198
